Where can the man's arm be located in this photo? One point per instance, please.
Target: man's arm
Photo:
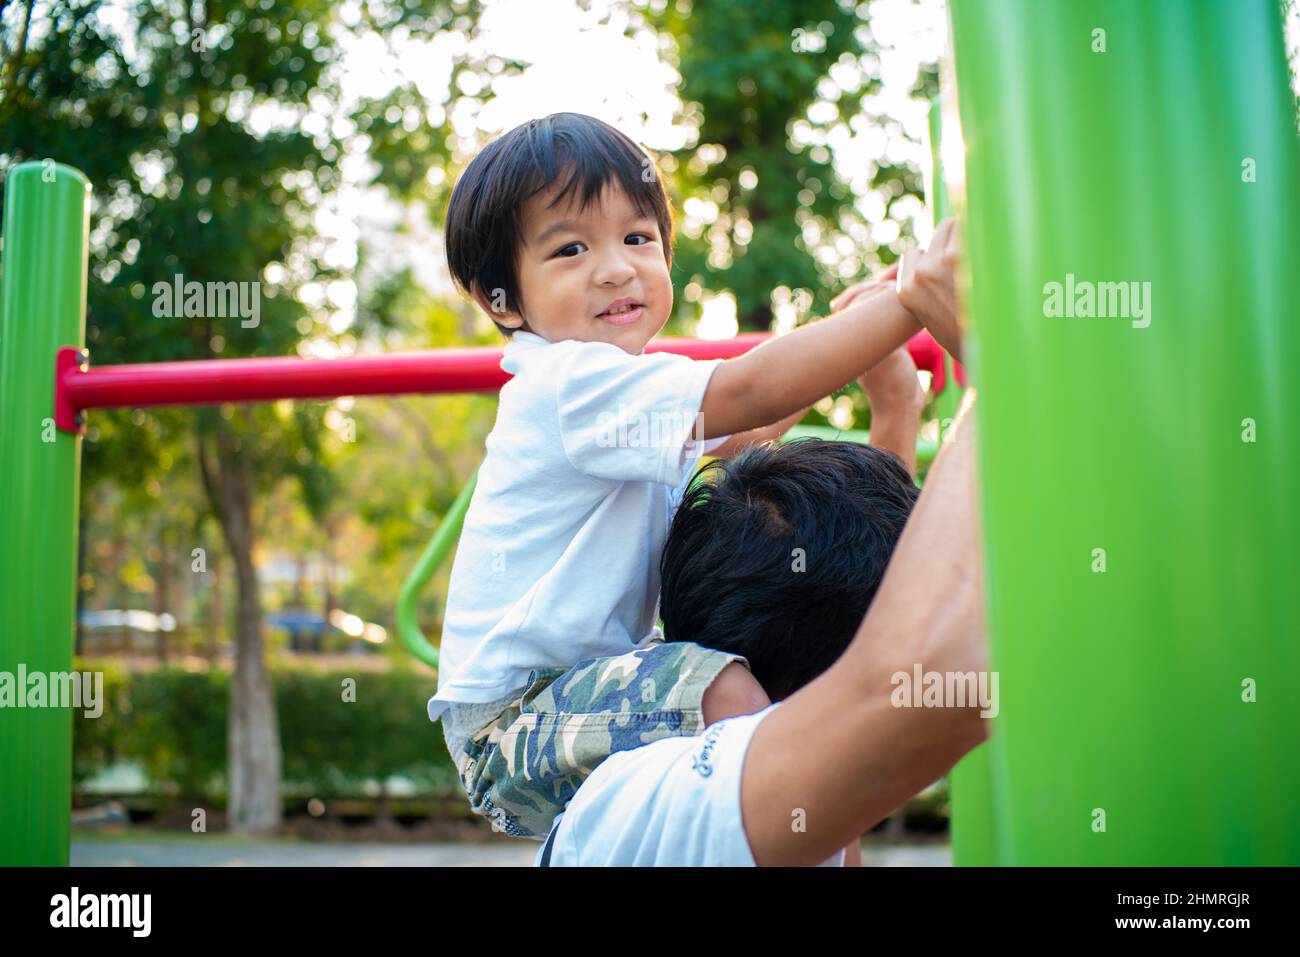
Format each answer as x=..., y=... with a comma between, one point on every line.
x=791, y=372
x=838, y=750
x=897, y=401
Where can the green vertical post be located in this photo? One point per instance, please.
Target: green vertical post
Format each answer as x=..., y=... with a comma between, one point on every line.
x=1138, y=460
x=42, y=307
x=969, y=782
x=940, y=203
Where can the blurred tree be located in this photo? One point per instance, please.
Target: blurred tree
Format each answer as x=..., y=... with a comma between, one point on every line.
x=764, y=85
x=212, y=132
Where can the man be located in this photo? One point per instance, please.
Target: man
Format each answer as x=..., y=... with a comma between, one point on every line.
x=794, y=782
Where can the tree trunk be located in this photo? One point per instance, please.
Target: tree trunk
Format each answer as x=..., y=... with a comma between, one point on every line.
x=254, y=731
x=384, y=822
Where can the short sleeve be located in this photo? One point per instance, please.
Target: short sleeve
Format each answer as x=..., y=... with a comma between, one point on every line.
x=631, y=418
x=672, y=803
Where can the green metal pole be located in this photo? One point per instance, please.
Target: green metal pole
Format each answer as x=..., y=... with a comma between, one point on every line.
x=970, y=781
x=1138, y=460
x=42, y=307
x=936, y=189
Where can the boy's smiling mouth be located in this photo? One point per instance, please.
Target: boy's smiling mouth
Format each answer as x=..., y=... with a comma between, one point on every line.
x=622, y=312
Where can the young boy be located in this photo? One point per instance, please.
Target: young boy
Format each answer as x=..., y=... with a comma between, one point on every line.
x=551, y=658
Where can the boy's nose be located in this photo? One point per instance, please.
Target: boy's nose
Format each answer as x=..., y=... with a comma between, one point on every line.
x=614, y=269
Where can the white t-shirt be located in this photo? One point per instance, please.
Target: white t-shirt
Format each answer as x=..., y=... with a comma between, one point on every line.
x=672, y=803
x=559, y=556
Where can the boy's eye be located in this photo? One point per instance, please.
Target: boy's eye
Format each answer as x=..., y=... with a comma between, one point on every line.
x=648, y=239
x=561, y=250
x=564, y=250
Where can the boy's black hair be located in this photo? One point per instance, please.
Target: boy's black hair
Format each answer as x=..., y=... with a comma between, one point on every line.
x=483, y=231
x=733, y=580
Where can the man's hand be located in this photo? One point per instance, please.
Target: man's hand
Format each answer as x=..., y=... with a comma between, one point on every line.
x=927, y=287
x=892, y=383
x=897, y=401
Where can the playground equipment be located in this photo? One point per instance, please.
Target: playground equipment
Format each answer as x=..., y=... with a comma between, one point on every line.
x=1138, y=473
x=1137, y=470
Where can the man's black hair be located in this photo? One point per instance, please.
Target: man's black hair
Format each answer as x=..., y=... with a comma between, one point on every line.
x=778, y=557
x=484, y=217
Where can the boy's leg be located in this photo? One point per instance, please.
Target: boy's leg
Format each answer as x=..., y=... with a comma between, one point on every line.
x=521, y=770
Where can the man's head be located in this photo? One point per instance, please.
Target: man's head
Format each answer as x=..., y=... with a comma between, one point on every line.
x=778, y=557
x=555, y=222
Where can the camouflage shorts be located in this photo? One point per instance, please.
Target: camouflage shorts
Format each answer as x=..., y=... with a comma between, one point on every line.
x=521, y=769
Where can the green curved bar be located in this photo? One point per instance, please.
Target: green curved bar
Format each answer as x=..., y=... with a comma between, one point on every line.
x=926, y=449
x=408, y=619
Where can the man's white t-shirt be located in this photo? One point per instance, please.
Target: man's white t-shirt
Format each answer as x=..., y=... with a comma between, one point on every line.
x=559, y=556
x=672, y=803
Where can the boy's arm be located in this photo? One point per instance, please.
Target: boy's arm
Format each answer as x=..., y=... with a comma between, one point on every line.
x=791, y=372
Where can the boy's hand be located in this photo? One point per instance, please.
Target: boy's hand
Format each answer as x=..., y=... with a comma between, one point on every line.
x=883, y=281
x=927, y=287
x=786, y=373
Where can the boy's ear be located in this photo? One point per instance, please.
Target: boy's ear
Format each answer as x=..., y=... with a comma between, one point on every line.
x=495, y=305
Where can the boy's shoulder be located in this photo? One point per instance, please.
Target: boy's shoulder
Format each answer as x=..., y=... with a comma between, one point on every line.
x=551, y=363
x=529, y=343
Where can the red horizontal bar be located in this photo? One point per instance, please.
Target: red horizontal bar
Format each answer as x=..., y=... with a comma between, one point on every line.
x=213, y=381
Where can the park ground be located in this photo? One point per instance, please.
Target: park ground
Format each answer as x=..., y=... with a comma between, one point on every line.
x=100, y=849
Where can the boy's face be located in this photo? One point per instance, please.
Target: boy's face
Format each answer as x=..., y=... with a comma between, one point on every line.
x=574, y=265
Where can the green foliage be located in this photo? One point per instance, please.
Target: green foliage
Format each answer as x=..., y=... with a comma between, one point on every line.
x=746, y=84
x=173, y=723
x=751, y=76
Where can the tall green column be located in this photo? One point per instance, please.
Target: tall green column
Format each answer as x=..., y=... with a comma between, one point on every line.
x=42, y=307
x=969, y=784
x=1139, y=470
